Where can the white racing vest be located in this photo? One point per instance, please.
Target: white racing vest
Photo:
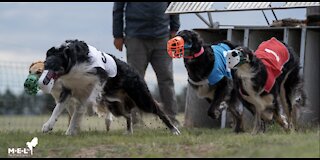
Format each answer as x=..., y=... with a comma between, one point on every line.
x=103, y=60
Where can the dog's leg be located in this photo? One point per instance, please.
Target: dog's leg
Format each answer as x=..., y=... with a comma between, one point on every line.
x=286, y=104
x=238, y=115
x=238, y=119
x=70, y=110
x=221, y=94
x=129, y=123
x=101, y=108
x=76, y=118
x=108, y=120
x=281, y=119
x=58, y=109
x=258, y=123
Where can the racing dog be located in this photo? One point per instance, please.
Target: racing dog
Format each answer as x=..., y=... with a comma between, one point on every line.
x=266, y=80
x=36, y=69
x=91, y=76
x=207, y=72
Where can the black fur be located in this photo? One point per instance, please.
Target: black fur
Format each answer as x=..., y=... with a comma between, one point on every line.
x=199, y=69
x=120, y=93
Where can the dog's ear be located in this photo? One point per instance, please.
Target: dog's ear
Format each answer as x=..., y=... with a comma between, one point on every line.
x=196, y=41
x=82, y=50
x=77, y=49
x=35, y=63
x=51, y=51
x=246, y=51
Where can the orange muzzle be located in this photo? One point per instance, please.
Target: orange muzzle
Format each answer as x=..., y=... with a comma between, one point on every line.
x=175, y=47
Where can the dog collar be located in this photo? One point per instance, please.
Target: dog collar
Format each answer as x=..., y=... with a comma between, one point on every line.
x=196, y=54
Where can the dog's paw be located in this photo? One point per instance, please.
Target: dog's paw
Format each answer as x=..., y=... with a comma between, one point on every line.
x=108, y=124
x=71, y=132
x=128, y=132
x=214, y=115
x=47, y=127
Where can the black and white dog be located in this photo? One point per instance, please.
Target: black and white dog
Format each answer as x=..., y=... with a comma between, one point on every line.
x=37, y=68
x=266, y=80
x=207, y=72
x=90, y=76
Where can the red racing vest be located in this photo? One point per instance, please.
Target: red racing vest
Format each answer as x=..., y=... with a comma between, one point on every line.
x=273, y=55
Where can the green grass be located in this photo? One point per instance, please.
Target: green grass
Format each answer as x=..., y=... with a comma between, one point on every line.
x=155, y=140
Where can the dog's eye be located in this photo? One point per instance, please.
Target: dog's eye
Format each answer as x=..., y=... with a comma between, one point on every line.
x=234, y=54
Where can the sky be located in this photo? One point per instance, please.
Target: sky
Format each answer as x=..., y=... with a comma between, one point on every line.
x=29, y=29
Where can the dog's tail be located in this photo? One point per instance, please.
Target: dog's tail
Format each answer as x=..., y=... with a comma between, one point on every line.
x=141, y=95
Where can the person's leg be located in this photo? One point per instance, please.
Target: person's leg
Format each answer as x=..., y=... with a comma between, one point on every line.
x=137, y=52
x=163, y=66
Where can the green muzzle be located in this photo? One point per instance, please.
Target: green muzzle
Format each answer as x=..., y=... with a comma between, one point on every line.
x=31, y=84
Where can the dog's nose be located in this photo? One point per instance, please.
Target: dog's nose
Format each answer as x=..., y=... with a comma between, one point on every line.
x=234, y=54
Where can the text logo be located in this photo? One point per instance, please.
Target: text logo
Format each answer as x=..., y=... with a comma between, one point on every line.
x=23, y=152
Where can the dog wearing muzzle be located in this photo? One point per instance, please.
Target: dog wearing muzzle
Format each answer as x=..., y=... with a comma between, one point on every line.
x=267, y=80
x=207, y=72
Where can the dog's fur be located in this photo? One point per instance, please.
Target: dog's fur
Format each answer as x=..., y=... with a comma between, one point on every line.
x=199, y=69
x=250, y=79
x=37, y=68
x=71, y=62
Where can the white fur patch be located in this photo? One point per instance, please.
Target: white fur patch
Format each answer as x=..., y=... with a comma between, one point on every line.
x=81, y=83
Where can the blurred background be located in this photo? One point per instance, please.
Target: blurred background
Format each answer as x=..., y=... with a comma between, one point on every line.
x=29, y=29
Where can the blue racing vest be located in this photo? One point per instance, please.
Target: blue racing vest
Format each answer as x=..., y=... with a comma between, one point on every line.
x=220, y=65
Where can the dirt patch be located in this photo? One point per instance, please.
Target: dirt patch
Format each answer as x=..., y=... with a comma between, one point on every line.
x=103, y=151
x=114, y=151
x=91, y=152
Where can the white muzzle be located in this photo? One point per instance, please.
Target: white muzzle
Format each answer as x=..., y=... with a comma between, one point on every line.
x=46, y=81
x=233, y=58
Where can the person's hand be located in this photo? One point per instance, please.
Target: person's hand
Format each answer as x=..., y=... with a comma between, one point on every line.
x=118, y=43
x=173, y=34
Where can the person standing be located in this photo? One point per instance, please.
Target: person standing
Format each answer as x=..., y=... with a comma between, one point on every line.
x=144, y=29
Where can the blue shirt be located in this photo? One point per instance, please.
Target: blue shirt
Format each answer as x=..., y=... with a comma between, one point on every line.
x=220, y=65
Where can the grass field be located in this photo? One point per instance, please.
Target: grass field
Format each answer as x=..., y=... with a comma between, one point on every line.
x=153, y=140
